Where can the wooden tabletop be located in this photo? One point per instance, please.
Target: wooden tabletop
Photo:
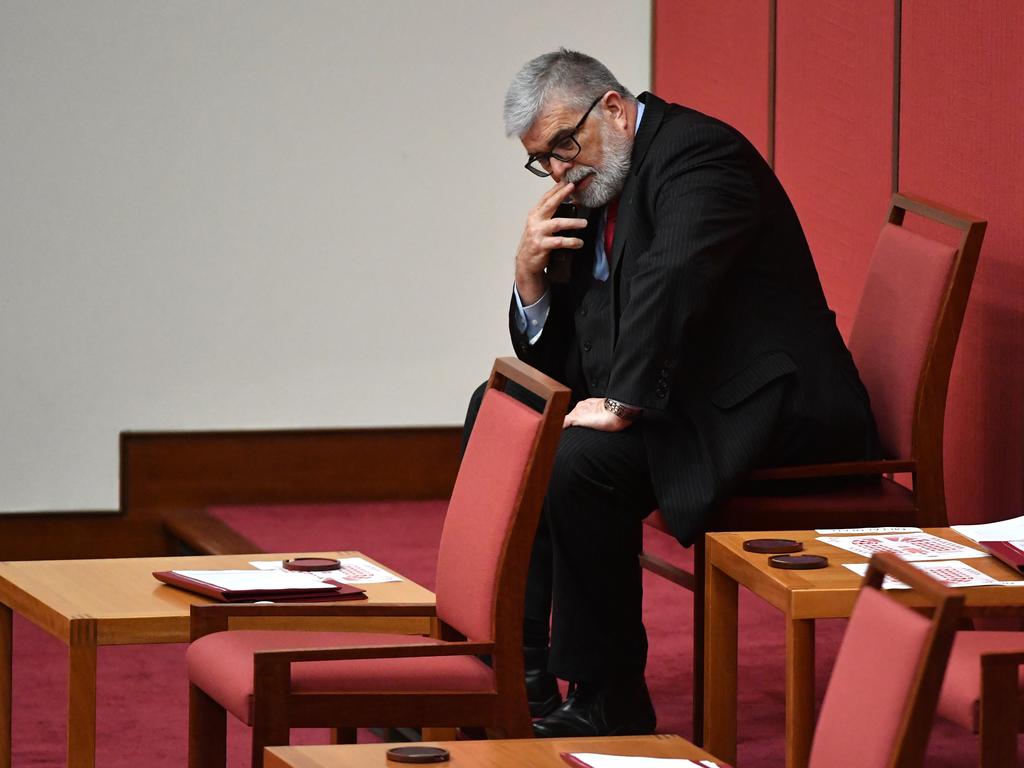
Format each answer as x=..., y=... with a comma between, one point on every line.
x=127, y=605
x=511, y=753
x=831, y=592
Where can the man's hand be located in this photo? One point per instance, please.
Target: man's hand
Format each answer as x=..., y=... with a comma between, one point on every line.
x=539, y=240
x=592, y=413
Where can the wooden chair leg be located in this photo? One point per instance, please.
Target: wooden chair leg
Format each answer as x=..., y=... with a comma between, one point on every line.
x=998, y=714
x=266, y=734
x=270, y=725
x=207, y=731
x=698, y=642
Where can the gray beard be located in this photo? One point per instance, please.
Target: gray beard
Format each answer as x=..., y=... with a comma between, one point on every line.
x=609, y=177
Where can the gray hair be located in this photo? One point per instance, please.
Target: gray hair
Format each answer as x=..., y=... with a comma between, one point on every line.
x=573, y=78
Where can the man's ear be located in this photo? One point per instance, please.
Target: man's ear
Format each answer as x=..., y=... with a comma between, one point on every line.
x=615, y=107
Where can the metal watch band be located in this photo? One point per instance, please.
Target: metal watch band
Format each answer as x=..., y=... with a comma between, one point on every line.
x=623, y=411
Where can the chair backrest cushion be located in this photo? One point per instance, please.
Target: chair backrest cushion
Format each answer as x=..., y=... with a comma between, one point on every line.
x=481, y=512
x=894, y=325
x=871, y=684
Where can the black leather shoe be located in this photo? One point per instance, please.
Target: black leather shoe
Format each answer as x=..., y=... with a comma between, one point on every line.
x=541, y=686
x=609, y=710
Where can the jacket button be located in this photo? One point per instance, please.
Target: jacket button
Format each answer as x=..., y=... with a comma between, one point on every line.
x=583, y=311
x=587, y=346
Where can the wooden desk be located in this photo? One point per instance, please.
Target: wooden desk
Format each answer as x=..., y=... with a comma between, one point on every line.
x=88, y=603
x=500, y=753
x=802, y=596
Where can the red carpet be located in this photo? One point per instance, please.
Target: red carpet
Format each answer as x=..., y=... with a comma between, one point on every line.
x=142, y=692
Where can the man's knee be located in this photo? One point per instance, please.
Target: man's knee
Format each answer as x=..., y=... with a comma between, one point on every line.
x=576, y=470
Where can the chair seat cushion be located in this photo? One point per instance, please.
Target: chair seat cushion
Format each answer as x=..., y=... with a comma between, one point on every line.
x=961, y=688
x=221, y=664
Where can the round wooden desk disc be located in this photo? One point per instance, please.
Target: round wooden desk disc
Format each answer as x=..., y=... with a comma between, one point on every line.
x=418, y=755
x=311, y=564
x=772, y=546
x=798, y=562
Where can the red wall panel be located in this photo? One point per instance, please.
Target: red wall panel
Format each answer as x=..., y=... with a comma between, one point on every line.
x=714, y=57
x=962, y=142
x=833, y=140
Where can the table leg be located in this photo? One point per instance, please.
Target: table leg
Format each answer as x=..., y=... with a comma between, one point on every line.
x=6, y=676
x=799, y=691
x=721, y=605
x=82, y=693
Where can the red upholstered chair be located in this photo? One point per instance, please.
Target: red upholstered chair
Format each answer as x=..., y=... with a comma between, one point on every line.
x=881, y=698
x=983, y=692
x=276, y=680
x=903, y=339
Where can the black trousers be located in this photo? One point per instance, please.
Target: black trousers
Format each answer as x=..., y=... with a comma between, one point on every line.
x=584, y=572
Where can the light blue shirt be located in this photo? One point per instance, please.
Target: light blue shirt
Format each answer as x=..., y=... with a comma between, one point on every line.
x=535, y=315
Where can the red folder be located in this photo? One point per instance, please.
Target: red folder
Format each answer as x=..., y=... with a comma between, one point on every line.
x=1011, y=555
x=340, y=591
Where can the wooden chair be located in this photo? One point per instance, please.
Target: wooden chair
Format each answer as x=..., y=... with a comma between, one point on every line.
x=983, y=692
x=903, y=339
x=881, y=698
x=277, y=680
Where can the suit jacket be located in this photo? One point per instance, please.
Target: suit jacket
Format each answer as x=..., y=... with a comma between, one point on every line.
x=713, y=320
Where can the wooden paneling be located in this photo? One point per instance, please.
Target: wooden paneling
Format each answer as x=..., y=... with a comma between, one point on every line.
x=833, y=133
x=169, y=479
x=961, y=141
x=183, y=470
x=922, y=94
x=715, y=57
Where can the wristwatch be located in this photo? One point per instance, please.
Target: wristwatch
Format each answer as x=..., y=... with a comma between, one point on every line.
x=623, y=411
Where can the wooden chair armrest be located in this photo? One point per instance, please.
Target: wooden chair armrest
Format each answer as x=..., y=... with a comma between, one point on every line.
x=839, y=469
x=205, y=619
x=1003, y=658
x=290, y=655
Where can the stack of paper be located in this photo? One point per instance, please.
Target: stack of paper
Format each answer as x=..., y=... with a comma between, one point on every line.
x=350, y=570
x=1004, y=539
x=909, y=546
x=594, y=760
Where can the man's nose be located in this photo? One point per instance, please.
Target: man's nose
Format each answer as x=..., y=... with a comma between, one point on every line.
x=559, y=168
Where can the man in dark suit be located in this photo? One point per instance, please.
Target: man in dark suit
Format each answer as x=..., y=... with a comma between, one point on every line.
x=695, y=336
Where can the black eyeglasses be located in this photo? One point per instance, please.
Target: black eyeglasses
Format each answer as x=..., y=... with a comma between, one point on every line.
x=564, y=149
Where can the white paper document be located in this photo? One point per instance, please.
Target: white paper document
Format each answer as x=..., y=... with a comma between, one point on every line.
x=595, y=760
x=258, y=580
x=952, y=573
x=351, y=570
x=879, y=529
x=909, y=546
x=1002, y=530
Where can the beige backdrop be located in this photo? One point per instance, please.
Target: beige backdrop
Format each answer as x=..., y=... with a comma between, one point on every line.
x=257, y=215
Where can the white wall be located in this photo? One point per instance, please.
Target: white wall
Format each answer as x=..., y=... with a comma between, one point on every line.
x=257, y=215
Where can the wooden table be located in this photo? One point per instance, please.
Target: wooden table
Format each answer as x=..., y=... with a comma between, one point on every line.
x=88, y=603
x=802, y=596
x=501, y=753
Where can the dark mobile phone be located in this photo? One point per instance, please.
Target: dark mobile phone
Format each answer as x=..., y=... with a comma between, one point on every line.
x=560, y=259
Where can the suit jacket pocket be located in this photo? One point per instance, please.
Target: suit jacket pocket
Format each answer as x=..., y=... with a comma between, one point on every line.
x=747, y=382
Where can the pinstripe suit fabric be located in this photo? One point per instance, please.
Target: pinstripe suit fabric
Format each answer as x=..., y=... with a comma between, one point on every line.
x=714, y=321
x=713, y=295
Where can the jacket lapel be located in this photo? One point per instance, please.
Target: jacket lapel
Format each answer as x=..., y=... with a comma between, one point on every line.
x=654, y=112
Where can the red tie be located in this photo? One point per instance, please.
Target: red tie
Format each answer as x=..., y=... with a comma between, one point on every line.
x=609, y=227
